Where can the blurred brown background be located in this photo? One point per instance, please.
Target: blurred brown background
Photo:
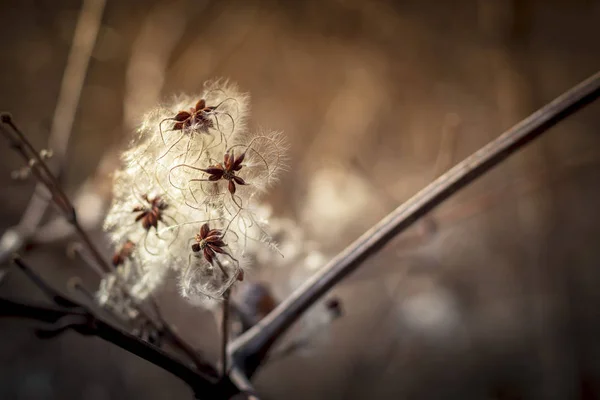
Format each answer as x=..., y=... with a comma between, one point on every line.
x=494, y=296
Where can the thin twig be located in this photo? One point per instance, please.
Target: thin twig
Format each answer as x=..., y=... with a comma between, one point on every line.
x=37, y=280
x=174, y=337
x=224, y=333
x=163, y=325
x=249, y=349
x=73, y=308
x=242, y=383
x=43, y=173
x=84, y=39
x=201, y=381
x=76, y=249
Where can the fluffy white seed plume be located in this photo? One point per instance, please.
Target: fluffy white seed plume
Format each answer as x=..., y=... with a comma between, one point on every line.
x=187, y=189
x=296, y=259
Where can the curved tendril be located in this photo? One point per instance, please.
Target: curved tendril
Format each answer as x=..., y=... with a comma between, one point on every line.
x=173, y=145
x=193, y=207
x=229, y=224
x=187, y=149
x=193, y=196
x=210, y=196
x=189, y=242
x=216, y=114
x=198, y=205
x=234, y=233
x=200, y=180
x=222, y=137
x=224, y=100
x=245, y=231
x=213, y=161
x=137, y=193
x=233, y=198
x=266, y=236
x=249, y=147
x=226, y=208
x=164, y=191
x=180, y=166
x=253, y=222
x=207, y=194
x=160, y=128
x=146, y=243
x=171, y=227
x=175, y=235
x=201, y=152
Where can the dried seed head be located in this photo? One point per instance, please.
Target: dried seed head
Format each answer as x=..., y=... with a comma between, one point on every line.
x=194, y=165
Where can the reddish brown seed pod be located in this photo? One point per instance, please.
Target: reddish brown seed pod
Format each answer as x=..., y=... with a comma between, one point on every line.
x=197, y=115
x=151, y=213
x=210, y=242
x=123, y=253
x=227, y=170
x=240, y=275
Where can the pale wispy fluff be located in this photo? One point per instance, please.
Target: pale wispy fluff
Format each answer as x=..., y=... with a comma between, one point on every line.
x=287, y=263
x=193, y=163
x=126, y=287
x=336, y=200
x=289, y=245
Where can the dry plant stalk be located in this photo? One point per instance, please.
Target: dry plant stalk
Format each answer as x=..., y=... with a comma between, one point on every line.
x=84, y=39
x=255, y=343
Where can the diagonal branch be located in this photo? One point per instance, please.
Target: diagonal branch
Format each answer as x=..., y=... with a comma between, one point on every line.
x=84, y=39
x=243, y=384
x=201, y=382
x=224, y=333
x=249, y=349
x=67, y=313
x=45, y=176
x=174, y=337
x=42, y=172
x=48, y=290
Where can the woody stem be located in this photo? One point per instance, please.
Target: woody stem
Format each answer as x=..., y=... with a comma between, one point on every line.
x=224, y=333
x=42, y=172
x=250, y=348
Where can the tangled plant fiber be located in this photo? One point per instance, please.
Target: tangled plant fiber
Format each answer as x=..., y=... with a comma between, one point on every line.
x=185, y=195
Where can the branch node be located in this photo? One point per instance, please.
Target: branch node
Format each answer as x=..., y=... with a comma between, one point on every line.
x=5, y=117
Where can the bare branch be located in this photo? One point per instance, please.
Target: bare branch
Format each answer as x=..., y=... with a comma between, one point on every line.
x=71, y=314
x=224, y=333
x=174, y=337
x=242, y=383
x=84, y=39
x=249, y=349
x=48, y=290
x=42, y=172
x=201, y=382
